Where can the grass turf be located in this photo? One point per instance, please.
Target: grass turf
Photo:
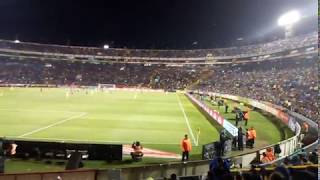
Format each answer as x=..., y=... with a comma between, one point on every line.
x=267, y=131
x=155, y=119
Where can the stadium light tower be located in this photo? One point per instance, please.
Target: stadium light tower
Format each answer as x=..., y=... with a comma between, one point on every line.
x=287, y=21
x=106, y=46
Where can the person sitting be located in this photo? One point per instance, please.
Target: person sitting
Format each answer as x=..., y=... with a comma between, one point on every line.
x=137, y=153
x=270, y=155
x=264, y=158
x=313, y=157
x=219, y=167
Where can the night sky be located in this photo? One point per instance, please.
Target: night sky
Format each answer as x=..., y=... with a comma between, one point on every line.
x=161, y=24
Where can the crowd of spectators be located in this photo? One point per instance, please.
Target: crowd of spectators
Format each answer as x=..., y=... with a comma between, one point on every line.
x=289, y=83
x=281, y=45
x=298, y=166
x=301, y=157
x=87, y=74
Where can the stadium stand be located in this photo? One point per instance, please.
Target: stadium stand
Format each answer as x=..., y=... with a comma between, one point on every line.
x=281, y=72
x=281, y=45
x=290, y=83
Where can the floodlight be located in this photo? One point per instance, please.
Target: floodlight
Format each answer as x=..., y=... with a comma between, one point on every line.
x=289, y=18
x=106, y=46
x=240, y=39
x=16, y=41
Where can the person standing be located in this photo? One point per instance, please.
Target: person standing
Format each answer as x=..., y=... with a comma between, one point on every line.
x=237, y=118
x=186, y=148
x=246, y=117
x=240, y=139
x=226, y=108
x=223, y=139
x=252, y=134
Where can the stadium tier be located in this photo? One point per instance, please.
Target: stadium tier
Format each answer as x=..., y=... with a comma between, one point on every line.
x=296, y=46
x=97, y=96
x=290, y=82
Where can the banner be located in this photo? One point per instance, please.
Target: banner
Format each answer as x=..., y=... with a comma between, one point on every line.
x=265, y=106
x=216, y=116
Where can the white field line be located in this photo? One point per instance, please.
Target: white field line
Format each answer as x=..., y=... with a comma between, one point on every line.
x=53, y=124
x=187, y=121
x=84, y=140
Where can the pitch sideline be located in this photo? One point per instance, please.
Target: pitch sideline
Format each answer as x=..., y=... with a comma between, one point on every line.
x=187, y=120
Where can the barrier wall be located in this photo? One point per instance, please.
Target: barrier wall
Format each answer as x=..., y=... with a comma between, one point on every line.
x=277, y=111
x=291, y=119
x=287, y=146
x=64, y=175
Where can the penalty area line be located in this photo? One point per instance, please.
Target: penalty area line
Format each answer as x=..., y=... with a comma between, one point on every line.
x=187, y=120
x=53, y=124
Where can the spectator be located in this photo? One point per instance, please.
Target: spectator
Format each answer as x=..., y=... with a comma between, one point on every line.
x=173, y=176
x=270, y=154
x=313, y=157
x=219, y=168
x=264, y=158
x=277, y=150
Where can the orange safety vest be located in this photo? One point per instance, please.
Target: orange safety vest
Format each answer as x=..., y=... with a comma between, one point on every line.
x=186, y=145
x=254, y=133
x=249, y=134
x=265, y=159
x=270, y=155
x=246, y=115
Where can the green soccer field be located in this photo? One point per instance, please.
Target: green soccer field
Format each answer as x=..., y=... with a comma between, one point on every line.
x=158, y=120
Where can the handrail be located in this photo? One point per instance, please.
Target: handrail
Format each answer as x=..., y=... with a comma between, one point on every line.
x=273, y=110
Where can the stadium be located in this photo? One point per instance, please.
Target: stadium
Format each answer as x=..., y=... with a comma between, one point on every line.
x=91, y=113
